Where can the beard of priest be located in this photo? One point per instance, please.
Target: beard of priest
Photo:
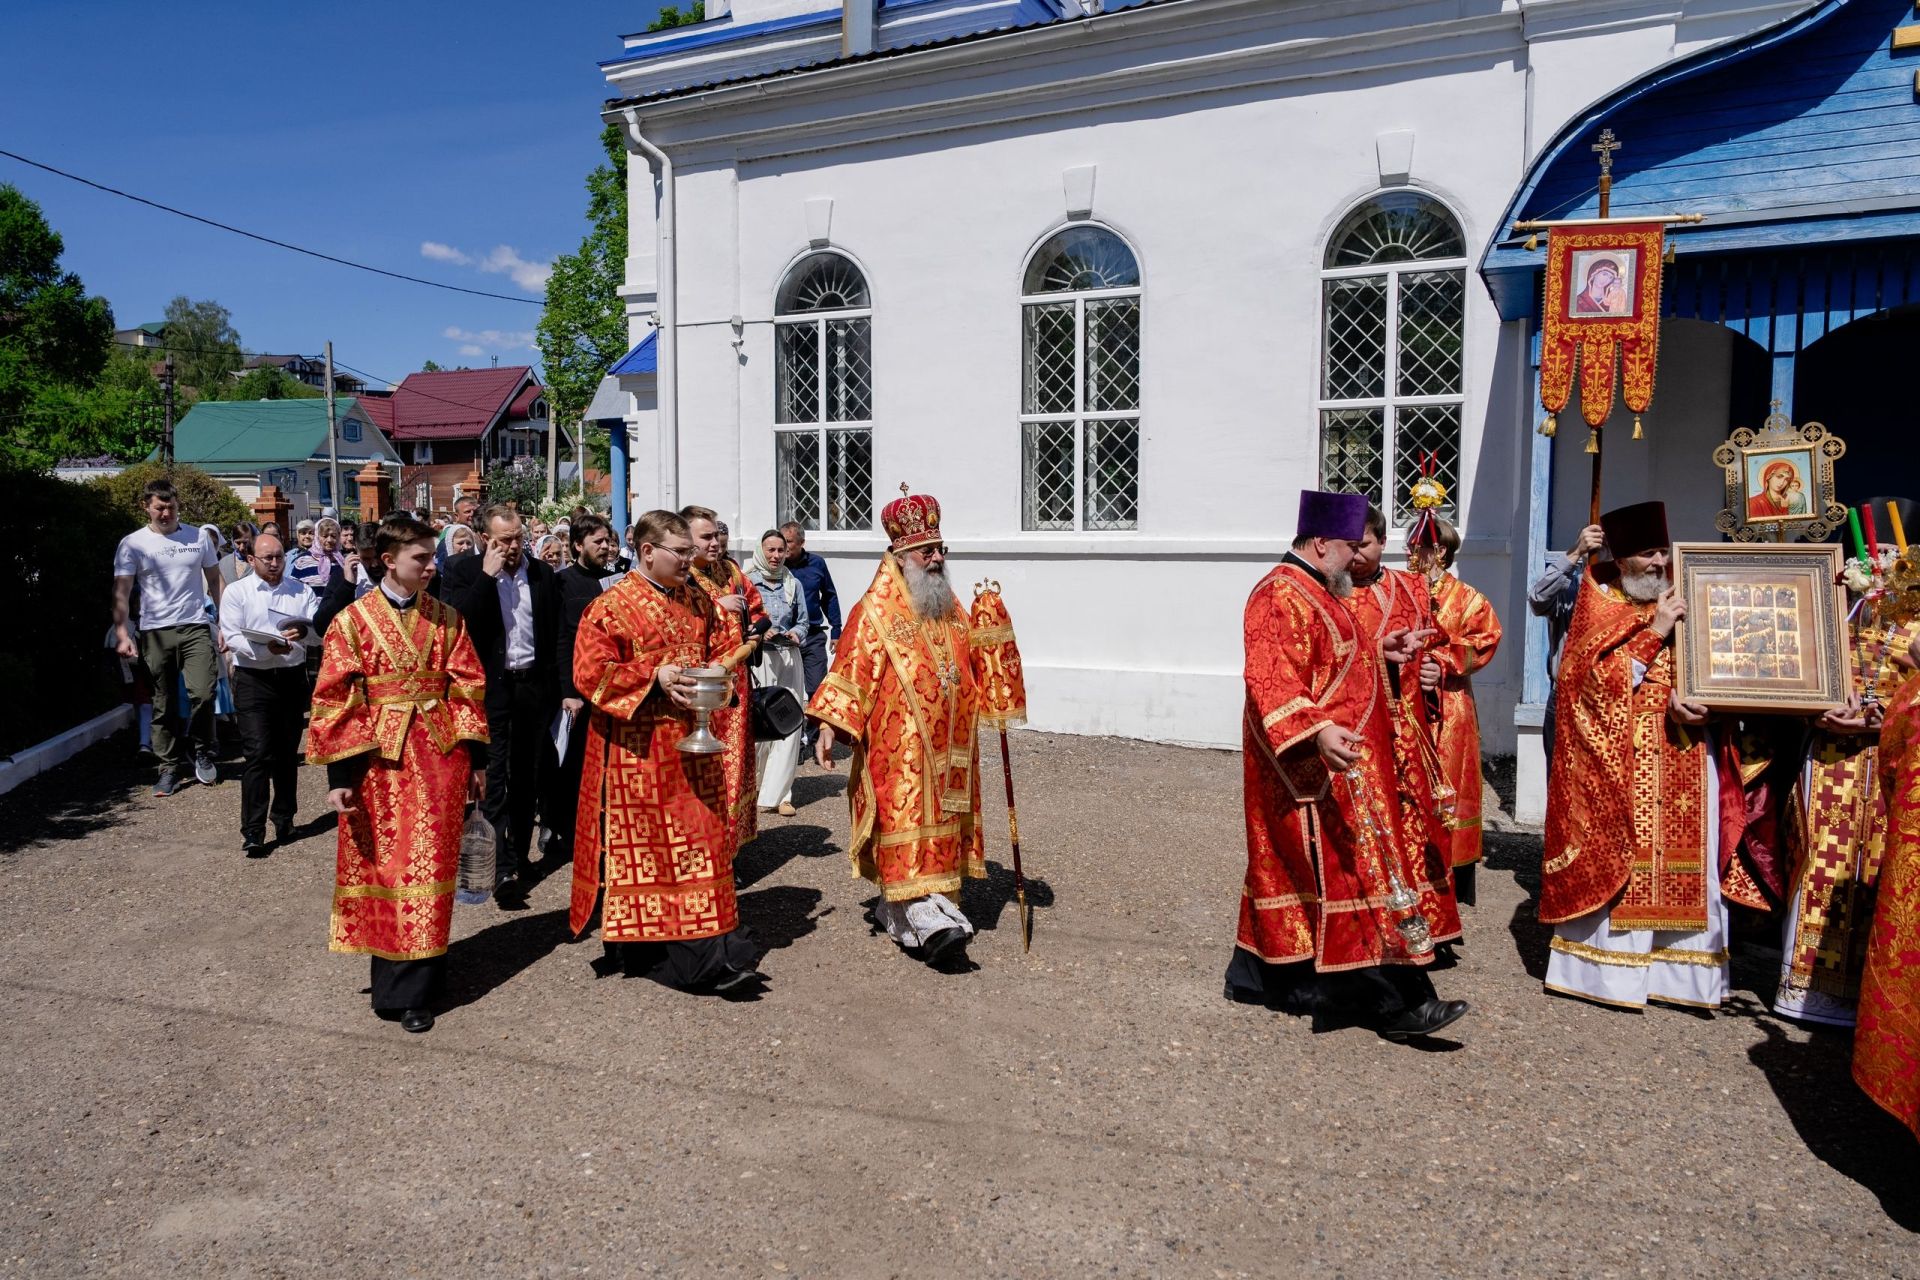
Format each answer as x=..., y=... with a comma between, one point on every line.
x=1631, y=881
x=1324, y=926
x=905, y=690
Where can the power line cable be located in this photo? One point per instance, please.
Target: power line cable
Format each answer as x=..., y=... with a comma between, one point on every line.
x=253, y=235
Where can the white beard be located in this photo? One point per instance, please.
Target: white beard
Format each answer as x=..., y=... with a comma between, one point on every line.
x=1643, y=588
x=1340, y=584
x=932, y=598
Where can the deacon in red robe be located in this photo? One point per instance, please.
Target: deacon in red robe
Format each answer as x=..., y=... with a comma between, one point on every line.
x=1338, y=912
x=1468, y=634
x=1633, y=880
x=400, y=690
x=1886, y=1044
x=1384, y=601
x=740, y=607
x=653, y=830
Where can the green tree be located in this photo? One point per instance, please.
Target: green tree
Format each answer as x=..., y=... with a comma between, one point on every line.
x=671, y=17
x=264, y=383
x=583, y=329
x=204, y=345
x=203, y=499
x=431, y=366
x=54, y=339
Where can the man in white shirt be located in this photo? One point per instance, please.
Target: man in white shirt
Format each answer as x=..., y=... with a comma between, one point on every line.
x=177, y=570
x=269, y=688
x=512, y=608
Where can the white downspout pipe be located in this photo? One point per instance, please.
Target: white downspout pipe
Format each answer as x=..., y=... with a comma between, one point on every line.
x=666, y=350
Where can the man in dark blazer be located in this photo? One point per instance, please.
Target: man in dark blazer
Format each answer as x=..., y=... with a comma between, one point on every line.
x=593, y=544
x=512, y=608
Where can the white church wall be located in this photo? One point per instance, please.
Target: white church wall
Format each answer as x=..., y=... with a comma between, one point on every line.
x=1227, y=194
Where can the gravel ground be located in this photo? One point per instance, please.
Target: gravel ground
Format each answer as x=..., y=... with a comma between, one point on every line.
x=194, y=1086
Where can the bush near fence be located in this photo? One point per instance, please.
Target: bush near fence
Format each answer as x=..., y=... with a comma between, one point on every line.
x=57, y=541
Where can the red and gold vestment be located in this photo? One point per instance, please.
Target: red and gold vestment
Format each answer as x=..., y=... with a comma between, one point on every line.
x=653, y=822
x=1397, y=600
x=1324, y=849
x=1837, y=832
x=1469, y=634
x=1627, y=797
x=733, y=725
x=405, y=688
x=1886, y=1043
x=904, y=690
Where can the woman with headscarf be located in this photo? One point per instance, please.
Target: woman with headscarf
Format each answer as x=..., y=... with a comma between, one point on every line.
x=780, y=663
x=318, y=566
x=548, y=550
x=455, y=540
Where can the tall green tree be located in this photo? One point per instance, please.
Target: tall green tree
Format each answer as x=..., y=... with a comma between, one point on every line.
x=584, y=327
x=54, y=339
x=264, y=383
x=203, y=343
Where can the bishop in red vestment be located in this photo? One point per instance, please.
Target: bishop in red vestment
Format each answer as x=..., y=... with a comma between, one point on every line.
x=654, y=829
x=1338, y=912
x=400, y=691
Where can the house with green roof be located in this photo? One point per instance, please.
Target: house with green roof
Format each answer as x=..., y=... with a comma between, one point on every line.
x=254, y=443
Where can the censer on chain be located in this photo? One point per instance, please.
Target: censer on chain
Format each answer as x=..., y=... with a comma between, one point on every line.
x=1400, y=900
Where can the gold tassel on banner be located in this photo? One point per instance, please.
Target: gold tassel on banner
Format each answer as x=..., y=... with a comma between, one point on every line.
x=1533, y=242
x=1551, y=425
x=1638, y=434
x=1593, y=441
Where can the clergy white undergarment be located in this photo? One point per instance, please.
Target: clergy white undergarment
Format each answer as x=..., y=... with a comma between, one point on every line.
x=1589, y=959
x=911, y=923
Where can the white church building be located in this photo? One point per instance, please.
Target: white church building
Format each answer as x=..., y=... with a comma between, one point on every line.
x=1114, y=283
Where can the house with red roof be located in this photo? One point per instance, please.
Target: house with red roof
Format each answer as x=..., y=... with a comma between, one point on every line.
x=453, y=421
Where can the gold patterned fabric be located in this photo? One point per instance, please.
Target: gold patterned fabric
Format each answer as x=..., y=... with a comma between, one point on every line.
x=904, y=690
x=405, y=688
x=1470, y=633
x=1886, y=1045
x=653, y=824
x=996, y=661
x=733, y=724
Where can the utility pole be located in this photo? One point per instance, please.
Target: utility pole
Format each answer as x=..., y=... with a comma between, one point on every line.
x=166, y=380
x=333, y=437
x=553, y=451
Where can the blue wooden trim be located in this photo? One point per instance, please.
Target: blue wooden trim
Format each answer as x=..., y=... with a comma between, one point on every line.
x=723, y=33
x=1536, y=687
x=619, y=464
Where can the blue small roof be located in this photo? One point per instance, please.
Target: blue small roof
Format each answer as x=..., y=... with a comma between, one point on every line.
x=642, y=359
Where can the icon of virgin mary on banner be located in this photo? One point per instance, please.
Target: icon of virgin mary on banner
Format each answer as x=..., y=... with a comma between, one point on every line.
x=1602, y=316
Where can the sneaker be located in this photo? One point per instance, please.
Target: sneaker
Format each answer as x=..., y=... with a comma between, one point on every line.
x=205, y=769
x=168, y=784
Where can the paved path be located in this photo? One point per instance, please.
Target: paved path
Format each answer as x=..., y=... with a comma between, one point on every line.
x=193, y=1086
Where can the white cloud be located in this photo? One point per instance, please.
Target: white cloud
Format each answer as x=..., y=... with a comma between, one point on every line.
x=443, y=253
x=485, y=340
x=503, y=260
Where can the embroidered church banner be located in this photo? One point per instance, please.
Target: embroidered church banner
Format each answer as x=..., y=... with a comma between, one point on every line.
x=1602, y=314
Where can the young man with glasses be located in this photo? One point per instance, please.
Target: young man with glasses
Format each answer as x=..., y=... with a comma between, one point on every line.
x=654, y=827
x=269, y=688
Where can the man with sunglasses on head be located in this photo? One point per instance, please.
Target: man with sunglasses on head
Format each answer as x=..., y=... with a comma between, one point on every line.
x=269, y=687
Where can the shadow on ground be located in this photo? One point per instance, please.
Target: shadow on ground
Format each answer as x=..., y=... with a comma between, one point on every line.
x=93, y=792
x=781, y=915
x=486, y=961
x=985, y=900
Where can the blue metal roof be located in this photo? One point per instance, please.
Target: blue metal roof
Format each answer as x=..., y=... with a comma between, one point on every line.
x=642, y=359
x=1804, y=135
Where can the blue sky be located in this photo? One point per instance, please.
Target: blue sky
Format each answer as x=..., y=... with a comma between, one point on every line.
x=361, y=129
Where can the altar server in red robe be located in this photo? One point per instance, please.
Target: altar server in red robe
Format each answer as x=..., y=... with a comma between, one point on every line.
x=740, y=608
x=654, y=827
x=1338, y=914
x=400, y=690
x=1469, y=633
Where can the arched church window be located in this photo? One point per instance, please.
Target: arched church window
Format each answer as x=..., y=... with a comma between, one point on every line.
x=1080, y=383
x=823, y=395
x=1392, y=385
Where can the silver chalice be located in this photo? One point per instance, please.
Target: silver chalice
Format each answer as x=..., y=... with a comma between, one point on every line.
x=712, y=687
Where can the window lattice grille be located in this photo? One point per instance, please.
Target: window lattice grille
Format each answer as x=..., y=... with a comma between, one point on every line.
x=1356, y=345
x=1113, y=354
x=824, y=383
x=1080, y=259
x=1113, y=474
x=1419, y=430
x=1432, y=328
x=1047, y=482
x=1399, y=227
x=1352, y=451
x=1050, y=352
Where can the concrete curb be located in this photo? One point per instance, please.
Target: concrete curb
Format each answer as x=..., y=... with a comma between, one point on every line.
x=62, y=747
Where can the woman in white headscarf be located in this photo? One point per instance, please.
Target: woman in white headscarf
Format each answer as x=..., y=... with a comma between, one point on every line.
x=780, y=664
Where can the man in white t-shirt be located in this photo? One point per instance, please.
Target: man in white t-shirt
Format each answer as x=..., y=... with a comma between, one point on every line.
x=177, y=569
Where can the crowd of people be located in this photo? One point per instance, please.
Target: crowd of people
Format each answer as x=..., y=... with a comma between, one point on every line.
x=550, y=676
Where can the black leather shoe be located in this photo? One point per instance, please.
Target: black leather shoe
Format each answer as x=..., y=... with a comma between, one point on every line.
x=511, y=891
x=943, y=943
x=416, y=1020
x=737, y=980
x=283, y=832
x=254, y=846
x=1424, y=1020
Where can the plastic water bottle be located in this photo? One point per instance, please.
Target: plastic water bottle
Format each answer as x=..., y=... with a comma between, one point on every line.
x=476, y=880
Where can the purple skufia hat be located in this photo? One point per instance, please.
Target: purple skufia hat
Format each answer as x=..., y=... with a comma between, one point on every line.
x=1339, y=516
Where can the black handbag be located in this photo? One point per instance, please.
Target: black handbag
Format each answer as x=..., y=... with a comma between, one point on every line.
x=775, y=713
